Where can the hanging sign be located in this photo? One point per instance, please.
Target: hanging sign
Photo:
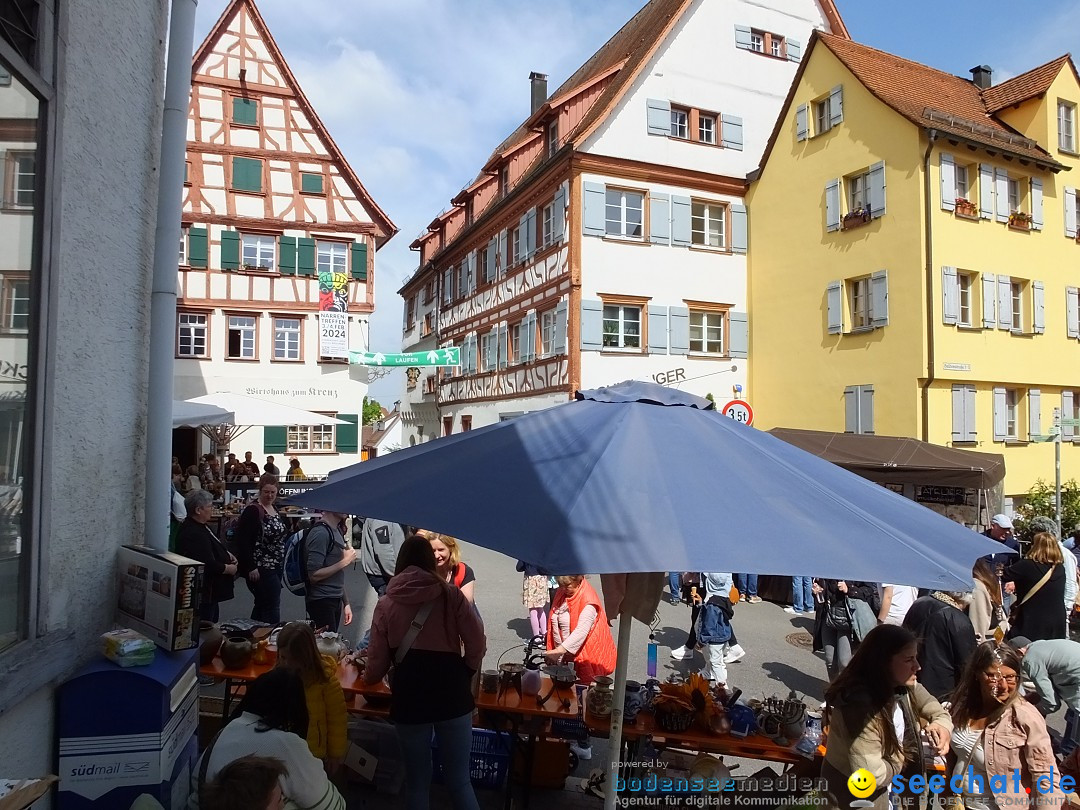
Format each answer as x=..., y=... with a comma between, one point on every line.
x=333, y=314
x=450, y=356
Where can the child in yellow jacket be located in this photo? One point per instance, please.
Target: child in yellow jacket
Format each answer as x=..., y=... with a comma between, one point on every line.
x=327, y=717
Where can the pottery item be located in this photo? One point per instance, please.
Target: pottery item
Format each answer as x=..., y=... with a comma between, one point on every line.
x=598, y=701
x=236, y=652
x=331, y=644
x=530, y=682
x=264, y=654
x=210, y=638
x=633, y=701
x=489, y=681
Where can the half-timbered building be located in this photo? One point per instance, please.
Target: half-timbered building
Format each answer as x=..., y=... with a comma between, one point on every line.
x=276, y=272
x=605, y=239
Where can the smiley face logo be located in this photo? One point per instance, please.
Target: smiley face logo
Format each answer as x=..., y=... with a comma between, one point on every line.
x=861, y=783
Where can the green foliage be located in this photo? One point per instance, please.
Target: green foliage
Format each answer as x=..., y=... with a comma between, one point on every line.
x=710, y=397
x=372, y=411
x=1040, y=501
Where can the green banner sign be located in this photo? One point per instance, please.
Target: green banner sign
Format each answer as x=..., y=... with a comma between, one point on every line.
x=436, y=357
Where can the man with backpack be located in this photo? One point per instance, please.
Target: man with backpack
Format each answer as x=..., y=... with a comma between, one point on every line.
x=379, y=545
x=326, y=555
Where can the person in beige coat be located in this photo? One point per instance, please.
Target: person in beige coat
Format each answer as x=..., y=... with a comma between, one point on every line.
x=875, y=710
x=985, y=605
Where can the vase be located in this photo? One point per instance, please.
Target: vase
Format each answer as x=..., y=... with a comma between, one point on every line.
x=598, y=701
x=236, y=652
x=331, y=644
x=531, y=681
x=633, y=701
x=210, y=637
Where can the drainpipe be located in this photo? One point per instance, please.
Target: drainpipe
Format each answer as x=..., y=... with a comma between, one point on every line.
x=931, y=360
x=163, y=289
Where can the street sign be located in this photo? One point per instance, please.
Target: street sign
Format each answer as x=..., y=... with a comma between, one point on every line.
x=450, y=356
x=740, y=411
x=1071, y=422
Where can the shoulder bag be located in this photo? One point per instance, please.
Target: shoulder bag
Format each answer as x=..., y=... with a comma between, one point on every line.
x=410, y=637
x=1015, y=609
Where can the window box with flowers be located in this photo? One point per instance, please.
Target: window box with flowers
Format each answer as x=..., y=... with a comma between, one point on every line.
x=1020, y=221
x=966, y=209
x=855, y=219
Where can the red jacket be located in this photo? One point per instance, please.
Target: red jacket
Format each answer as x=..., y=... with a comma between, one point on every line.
x=597, y=655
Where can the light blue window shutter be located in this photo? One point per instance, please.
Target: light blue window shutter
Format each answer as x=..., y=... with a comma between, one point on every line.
x=502, y=347
x=472, y=271
x=593, y=205
x=1038, y=311
x=834, y=294
x=738, y=228
x=851, y=409
x=1067, y=431
x=986, y=191
x=879, y=299
x=1000, y=420
x=659, y=116
x=970, y=434
x=1034, y=412
x=1001, y=192
x=1072, y=312
x=659, y=218
x=528, y=350
x=731, y=132
x=877, y=189
x=802, y=125
x=832, y=205
x=530, y=233
x=472, y=353
x=836, y=106
x=948, y=182
x=679, y=329
x=738, y=335
x=558, y=211
x=989, y=300
x=559, y=343
x=1070, y=212
x=680, y=221
x=592, y=325
x=1004, y=294
x=866, y=409
x=523, y=238
x=958, y=433
x=794, y=49
x=489, y=267
x=658, y=326
x=491, y=355
x=1036, y=203
x=504, y=260
x=742, y=37
x=950, y=290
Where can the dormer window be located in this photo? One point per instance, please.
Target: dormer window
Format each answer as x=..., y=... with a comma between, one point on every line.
x=504, y=181
x=552, y=135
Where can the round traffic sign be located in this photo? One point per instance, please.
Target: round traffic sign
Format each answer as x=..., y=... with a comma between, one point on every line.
x=740, y=411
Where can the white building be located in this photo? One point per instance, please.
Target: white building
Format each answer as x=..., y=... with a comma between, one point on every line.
x=276, y=226
x=605, y=239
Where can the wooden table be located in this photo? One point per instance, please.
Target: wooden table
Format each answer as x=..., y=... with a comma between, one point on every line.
x=348, y=676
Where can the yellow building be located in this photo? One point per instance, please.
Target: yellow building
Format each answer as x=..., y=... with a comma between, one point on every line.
x=914, y=258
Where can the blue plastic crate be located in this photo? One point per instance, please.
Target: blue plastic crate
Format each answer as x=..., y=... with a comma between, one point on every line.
x=489, y=760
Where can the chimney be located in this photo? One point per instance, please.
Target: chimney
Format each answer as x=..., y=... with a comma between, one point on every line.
x=981, y=76
x=539, y=90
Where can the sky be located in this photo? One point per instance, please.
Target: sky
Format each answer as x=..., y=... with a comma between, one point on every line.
x=417, y=93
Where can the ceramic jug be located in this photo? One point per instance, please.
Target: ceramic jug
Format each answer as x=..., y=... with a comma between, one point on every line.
x=210, y=638
x=530, y=682
x=236, y=652
x=598, y=701
x=634, y=700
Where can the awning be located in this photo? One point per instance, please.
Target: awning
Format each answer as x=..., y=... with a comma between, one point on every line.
x=899, y=460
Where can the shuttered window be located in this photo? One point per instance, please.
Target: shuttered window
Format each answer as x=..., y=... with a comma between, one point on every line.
x=963, y=413
x=859, y=409
x=247, y=174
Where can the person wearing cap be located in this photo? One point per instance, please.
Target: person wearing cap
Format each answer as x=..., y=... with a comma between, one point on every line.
x=1001, y=529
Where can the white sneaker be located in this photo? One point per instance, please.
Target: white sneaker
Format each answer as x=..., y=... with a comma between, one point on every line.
x=582, y=754
x=734, y=654
x=682, y=654
x=792, y=610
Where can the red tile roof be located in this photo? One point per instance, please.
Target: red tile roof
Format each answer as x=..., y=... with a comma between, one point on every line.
x=1027, y=85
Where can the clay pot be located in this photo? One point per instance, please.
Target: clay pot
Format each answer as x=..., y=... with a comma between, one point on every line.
x=633, y=701
x=210, y=638
x=331, y=644
x=600, y=696
x=236, y=652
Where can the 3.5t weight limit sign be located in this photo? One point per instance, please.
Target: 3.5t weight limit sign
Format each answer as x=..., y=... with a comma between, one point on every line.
x=740, y=411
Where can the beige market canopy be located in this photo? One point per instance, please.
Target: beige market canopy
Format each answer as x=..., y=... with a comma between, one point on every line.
x=899, y=460
x=252, y=411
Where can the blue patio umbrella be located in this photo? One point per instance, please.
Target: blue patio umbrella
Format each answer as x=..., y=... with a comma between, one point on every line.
x=637, y=477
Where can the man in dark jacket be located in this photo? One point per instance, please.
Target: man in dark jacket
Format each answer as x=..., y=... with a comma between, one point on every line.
x=946, y=639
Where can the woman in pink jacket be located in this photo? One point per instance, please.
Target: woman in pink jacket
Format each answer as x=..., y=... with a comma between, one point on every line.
x=1000, y=754
x=432, y=682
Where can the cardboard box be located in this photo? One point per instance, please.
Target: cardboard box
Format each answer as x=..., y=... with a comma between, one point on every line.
x=158, y=594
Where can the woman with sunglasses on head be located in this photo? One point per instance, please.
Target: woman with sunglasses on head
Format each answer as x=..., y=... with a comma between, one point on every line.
x=997, y=734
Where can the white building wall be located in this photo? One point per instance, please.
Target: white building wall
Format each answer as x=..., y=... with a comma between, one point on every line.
x=95, y=363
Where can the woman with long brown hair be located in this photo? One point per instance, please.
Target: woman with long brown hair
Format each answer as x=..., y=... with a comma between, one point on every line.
x=985, y=609
x=1038, y=582
x=874, y=710
x=997, y=734
x=260, y=549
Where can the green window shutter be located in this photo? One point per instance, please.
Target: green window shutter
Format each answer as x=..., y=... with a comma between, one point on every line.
x=247, y=174
x=197, y=247
x=311, y=183
x=348, y=436
x=230, y=250
x=275, y=440
x=287, y=255
x=305, y=256
x=245, y=111
x=359, y=261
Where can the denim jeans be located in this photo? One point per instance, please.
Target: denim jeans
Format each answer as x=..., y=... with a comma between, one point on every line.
x=674, y=584
x=837, y=645
x=267, y=593
x=747, y=584
x=455, y=747
x=802, y=598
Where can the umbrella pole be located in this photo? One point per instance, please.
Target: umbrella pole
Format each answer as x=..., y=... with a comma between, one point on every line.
x=618, y=700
